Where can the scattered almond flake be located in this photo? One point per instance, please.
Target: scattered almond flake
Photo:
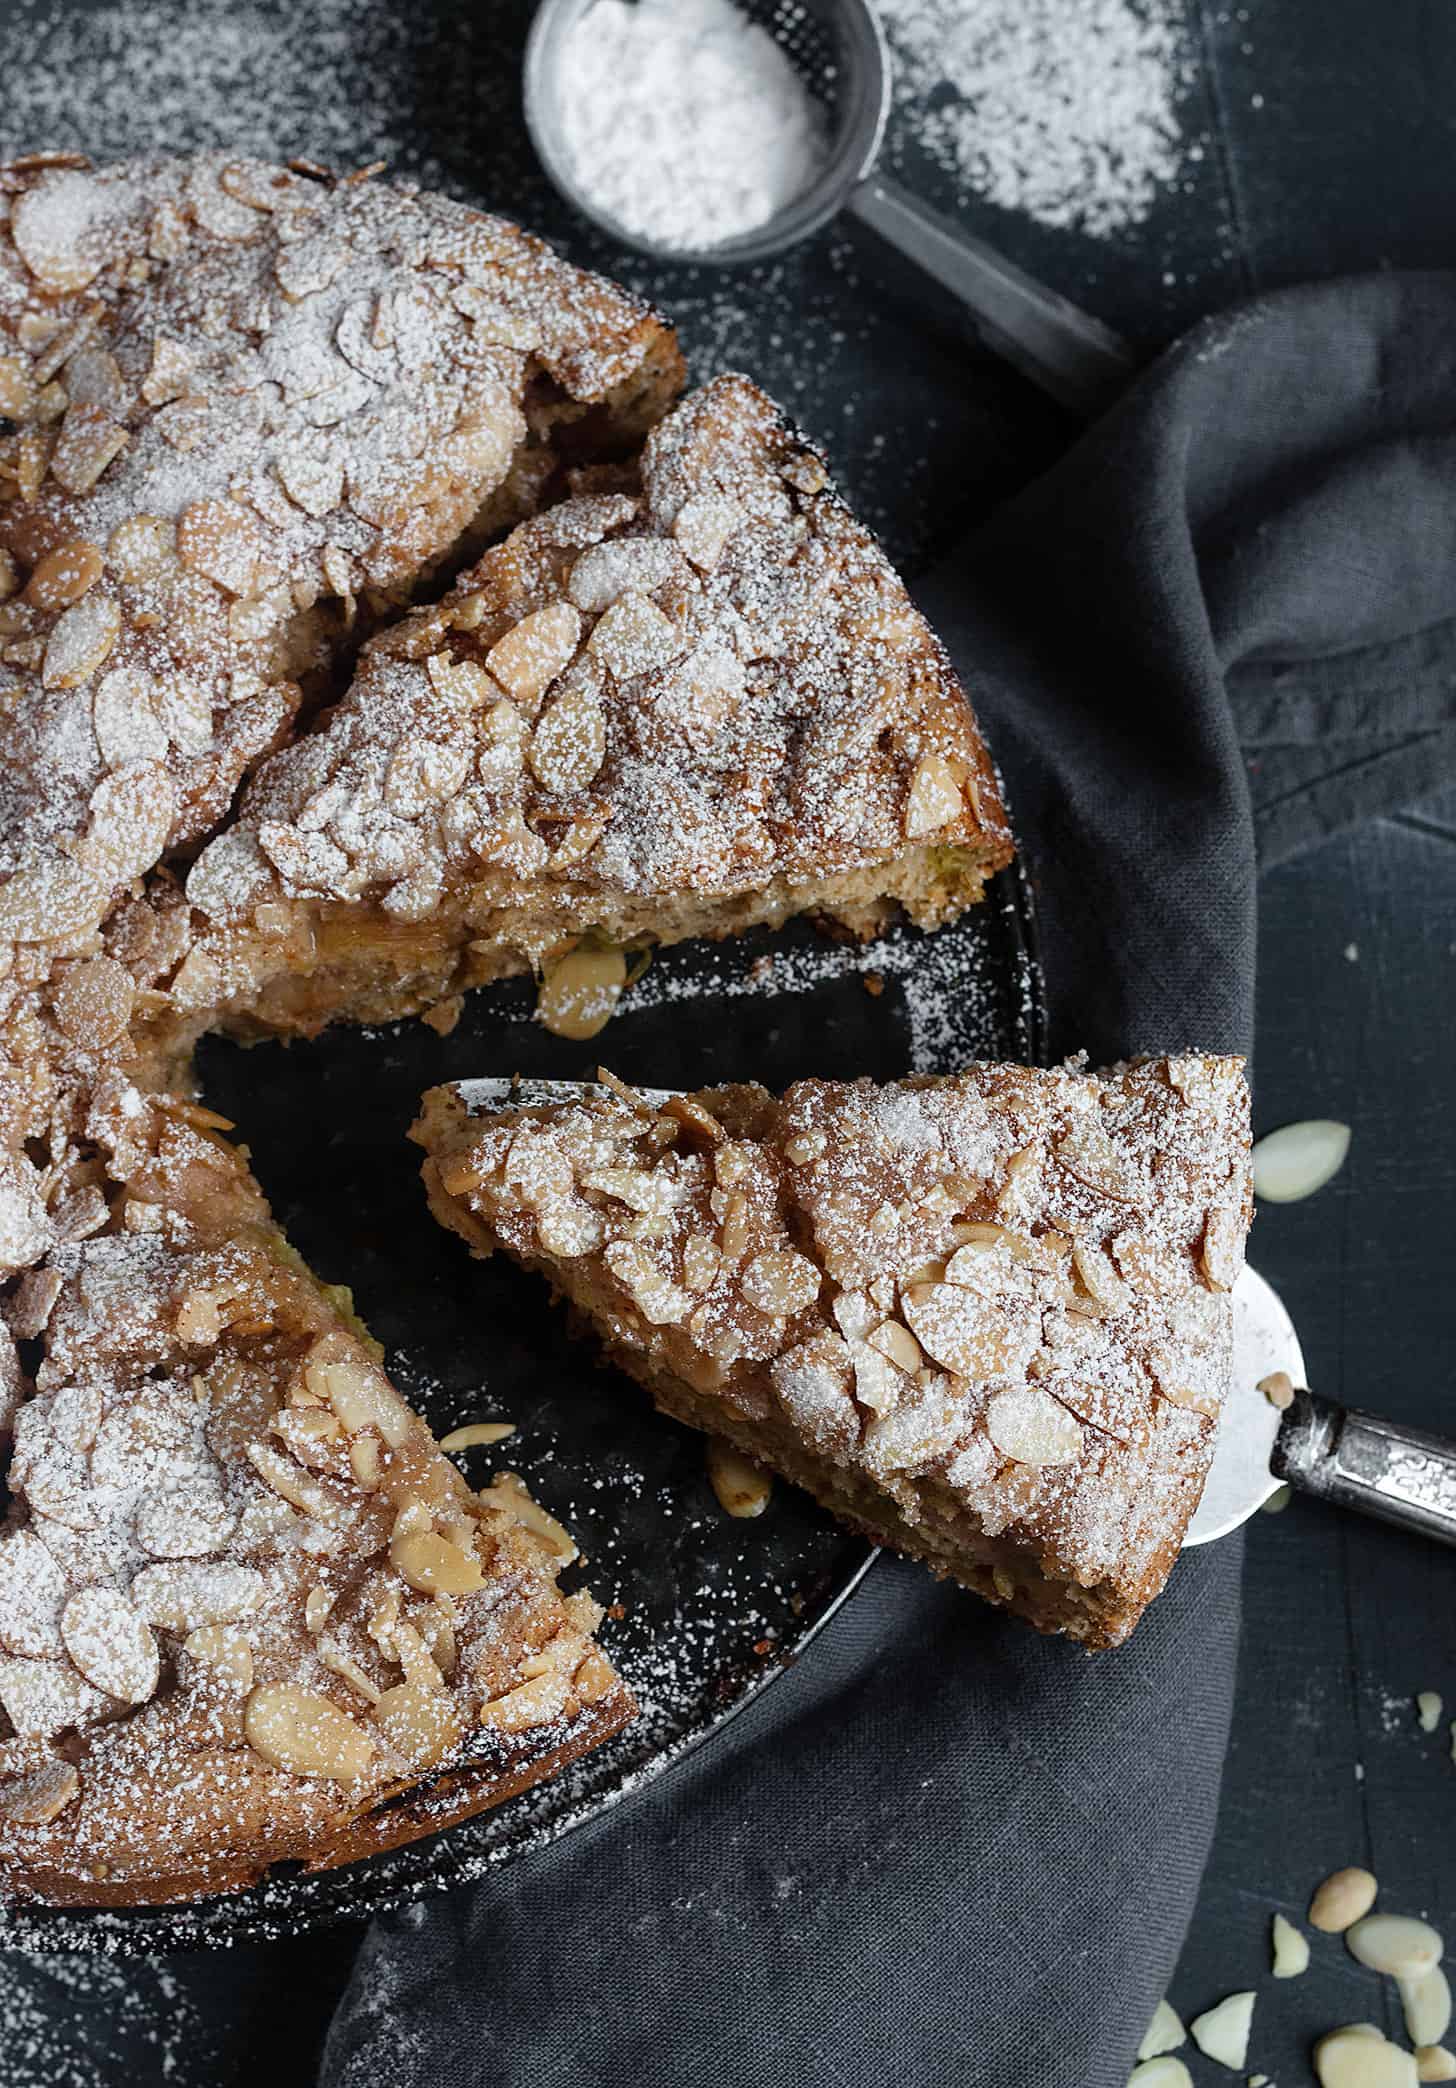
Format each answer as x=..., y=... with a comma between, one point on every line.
x=1290, y=1949
x=1068, y=111
x=1160, y=2073
x=1395, y=1944
x=1359, y=2057
x=1222, y=2032
x=1298, y=1159
x=1428, y=1710
x=1164, y=2033
x=1426, y=2000
x=1435, y=2063
x=1278, y=1389
x=1342, y=1898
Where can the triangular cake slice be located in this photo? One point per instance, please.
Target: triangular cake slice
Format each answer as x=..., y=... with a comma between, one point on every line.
x=248, y=1611
x=691, y=698
x=984, y=1318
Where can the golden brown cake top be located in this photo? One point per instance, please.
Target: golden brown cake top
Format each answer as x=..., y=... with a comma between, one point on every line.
x=245, y=400
x=1000, y=1296
x=704, y=681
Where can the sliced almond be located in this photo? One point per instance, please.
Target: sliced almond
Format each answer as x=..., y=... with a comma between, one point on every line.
x=569, y=743
x=935, y=797
x=63, y=576
x=477, y=1432
x=305, y=1732
x=111, y=1644
x=219, y=539
x=1278, y=1389
x=80, y=641
x=142, y=548
x=1396, y=1944
x=1344, y=1897
x=660, y=1301
x=1029, y=1426
x=289, y=1480
x=1290, y=1949
x=704, y=526
x=1359, y=2057
x=184, y=1595
x=1428, y=1710
x=223, y=1648
x=580, y=991
x=898, y=1345
x=89, y=440
x=1292, y=1163
x=1164, y=2033
x=423, y=1725
x=508, y=1493
x=434, y=1565
x=782, y=1281
x=634, y=637
x=535, y=1702
x=960, y=1329
x=534, y=651
x=361, y=1397
x=1160, y=2073
x=1223, y=2032
x=1426, y=2000
x=1435, y=2063
x=37, y=1799
x=743, y=1488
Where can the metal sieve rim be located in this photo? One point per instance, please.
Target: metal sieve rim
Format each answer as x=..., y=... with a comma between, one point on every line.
x=860, y=110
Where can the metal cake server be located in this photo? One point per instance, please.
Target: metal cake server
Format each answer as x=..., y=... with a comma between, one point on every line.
x=1401, y=1475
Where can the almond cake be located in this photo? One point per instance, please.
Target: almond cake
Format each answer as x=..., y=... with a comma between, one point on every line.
x=266, y=762
x=984, y=1318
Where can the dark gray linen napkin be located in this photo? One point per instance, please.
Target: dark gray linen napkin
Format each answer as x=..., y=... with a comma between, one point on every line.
x=943, y=1849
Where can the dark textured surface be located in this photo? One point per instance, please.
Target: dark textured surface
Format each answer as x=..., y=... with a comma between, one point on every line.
x=1331, y=151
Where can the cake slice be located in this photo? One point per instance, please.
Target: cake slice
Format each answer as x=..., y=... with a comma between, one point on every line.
x=690, y=698
x=248, y=1611
x=985, y=1318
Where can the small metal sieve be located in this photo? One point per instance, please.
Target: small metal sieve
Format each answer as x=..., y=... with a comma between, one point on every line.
x=838, y=49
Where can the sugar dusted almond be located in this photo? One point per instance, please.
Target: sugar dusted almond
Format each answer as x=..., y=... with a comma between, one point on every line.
x=312, y=481
x=704, y=526
x=898, y=1345
x=509, y=1494
x=226, y=1651
x=656, y=1296
x=743, y=1488
x=434, y=1565
x=168, y=374
x=606, y=571
x=63, y=576
x=142, y=548
x=1029, y=1426
x=534, y=651
x=1343, y=1898
x=42, y=1796
x=423, y=1725
x=111, y=1644
x=89, y=440
x=292, y=1483
x=17, y=386
x=462, y=681
x=184, y=1595
x=306, y=1733
x=569, y=743
x=634, y=637
x=80, y=641
x=781, y=1281
x=958, y=1328
x=536, y=1702
x=935, y=797
x=361, y=1396
x=219, y=539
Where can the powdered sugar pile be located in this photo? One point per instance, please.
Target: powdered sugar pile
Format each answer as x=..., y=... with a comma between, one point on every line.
x=683, y=120
x=1064, y=110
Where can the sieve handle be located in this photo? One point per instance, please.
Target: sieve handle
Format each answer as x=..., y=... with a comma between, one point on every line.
x=1079, y=361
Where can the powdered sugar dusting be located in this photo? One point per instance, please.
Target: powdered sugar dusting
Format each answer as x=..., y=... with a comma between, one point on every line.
x=1068, y=111
x=81, y=2022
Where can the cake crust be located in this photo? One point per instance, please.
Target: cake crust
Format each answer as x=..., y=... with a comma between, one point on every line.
x=985, y=1318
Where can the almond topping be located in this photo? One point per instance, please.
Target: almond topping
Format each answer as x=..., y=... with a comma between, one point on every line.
x=63, y=576
x=37, y=1799
x=899, y=1346
x=1030, y=1427
x=434, y=1565
x=80, y=641
x=88, y=442
x=570, y=740
x=533, y=652
x=935, y=797
x=782, y=1281
x=304, y=1732
x=183, y=1596
x=508, y=1493
x=421, y=1724
x=218, y=538
x=221, y=1647
x=110, y=1644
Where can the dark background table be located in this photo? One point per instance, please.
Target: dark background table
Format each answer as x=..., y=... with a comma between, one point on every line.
x=1330, y=145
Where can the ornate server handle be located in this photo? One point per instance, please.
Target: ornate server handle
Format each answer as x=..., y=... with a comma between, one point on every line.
x=1402, y=1475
